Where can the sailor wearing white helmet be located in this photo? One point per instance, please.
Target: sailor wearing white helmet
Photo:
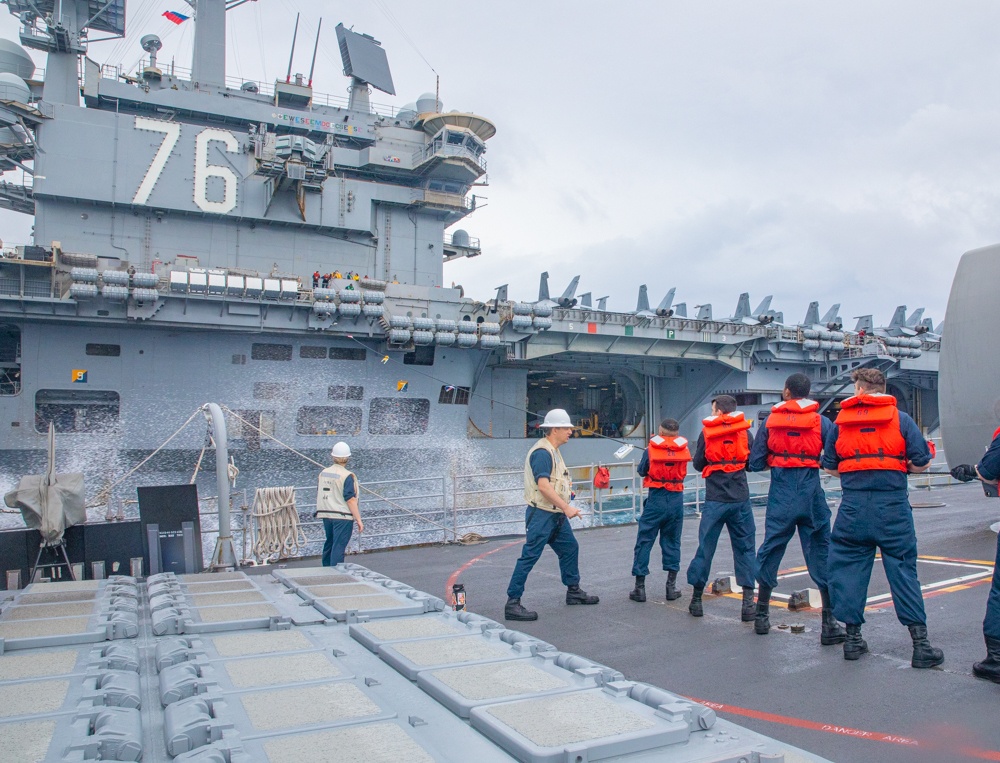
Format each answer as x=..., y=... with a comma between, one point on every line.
x=337, y=505
x=547, y=491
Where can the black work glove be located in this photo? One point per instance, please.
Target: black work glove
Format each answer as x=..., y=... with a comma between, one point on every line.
x=964, y=473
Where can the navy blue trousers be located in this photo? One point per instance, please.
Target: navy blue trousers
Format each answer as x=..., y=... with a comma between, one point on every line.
x=663, y=515
x=738, y=519
x=546, y=528
x=338, y=535
x=795, y=503
x=868, y=520
x=991, y=625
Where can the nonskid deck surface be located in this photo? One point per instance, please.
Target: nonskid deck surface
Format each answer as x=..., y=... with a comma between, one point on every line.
x=783, y=685
x=322, y=665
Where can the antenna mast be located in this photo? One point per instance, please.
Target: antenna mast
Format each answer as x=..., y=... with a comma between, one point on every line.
x=312, y=66
x=295, y=34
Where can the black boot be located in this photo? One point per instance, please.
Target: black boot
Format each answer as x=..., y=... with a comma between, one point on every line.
x=748, y=612
x=854, y=645
x=673, y=593
x=924, y=655
x=832, y=633
x=514, y=611
x=762, y=621
x=575, y=596
x=695, y=606
x=639, y=592
x=990, y=667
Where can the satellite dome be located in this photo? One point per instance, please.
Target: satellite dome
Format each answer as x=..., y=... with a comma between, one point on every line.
x=408, y=113
x=13, y=88
x=250, y=87
x=428, y=103
x=15, y=60
x=460, y=238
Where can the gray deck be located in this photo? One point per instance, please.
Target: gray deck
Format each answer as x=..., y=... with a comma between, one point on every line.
x=721, y=660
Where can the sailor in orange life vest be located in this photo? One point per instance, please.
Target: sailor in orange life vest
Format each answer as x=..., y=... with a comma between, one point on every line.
x=789, y=444
x=663, y=467
x=988, y=470
x=871, y=448
x=548, y=492
x=721, y=455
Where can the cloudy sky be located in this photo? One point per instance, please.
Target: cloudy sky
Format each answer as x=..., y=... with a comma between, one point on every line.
x=846, y=152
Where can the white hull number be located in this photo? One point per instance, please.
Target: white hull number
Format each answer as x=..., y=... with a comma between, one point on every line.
x=202, y=169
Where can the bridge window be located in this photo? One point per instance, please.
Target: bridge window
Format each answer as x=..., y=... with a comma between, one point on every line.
x=454, y=395
x=105, y=350
x=261, y=351
x=312, y=351
x=347, y=353
x=328, y=420
x=421, y=356
x=389, y=415
x=345, y=393
x=76, y=411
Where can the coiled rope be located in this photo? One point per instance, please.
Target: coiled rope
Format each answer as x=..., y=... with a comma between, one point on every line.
x=279, y=534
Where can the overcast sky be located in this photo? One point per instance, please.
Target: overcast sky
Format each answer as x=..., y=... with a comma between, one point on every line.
x=846, y=152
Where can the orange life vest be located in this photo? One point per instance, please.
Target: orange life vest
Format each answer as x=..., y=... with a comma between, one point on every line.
x=869, y=436
x=726, y=445
x=668, y=458
x=794, y=434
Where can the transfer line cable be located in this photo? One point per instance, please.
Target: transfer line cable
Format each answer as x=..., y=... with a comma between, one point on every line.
x=104, y=494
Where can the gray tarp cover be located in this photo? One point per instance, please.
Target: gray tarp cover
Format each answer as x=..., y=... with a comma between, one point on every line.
x=50, y=502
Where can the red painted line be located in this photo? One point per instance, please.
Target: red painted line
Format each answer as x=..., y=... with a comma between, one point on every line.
x=454, y=576
x=871, y=736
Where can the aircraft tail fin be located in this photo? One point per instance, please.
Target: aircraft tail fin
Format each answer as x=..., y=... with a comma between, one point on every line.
x=642, y=304
x=742, y=307
x=567, y=296
x=898, y=317
x=812, y=314
x=705, y=311
x=543, y=287
x=830, y=315
x=763, y=307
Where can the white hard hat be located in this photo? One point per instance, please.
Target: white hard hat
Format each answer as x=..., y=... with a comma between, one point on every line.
x=557, y=417
x=341, y=450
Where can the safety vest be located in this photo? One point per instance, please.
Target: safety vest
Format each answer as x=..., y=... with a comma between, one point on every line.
x=559, y=478
x=794, y=434
x=726, y=445
x=869, y=436
x=330, y=503
x=668, y=457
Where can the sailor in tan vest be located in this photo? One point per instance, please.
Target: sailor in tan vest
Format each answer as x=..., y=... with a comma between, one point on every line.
x=547, y=491
x=337, y=505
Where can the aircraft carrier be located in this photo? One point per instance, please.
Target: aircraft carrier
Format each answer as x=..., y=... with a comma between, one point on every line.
x=191, y=253
x=283, y=253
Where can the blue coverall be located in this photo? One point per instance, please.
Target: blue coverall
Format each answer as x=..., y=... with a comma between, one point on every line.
x=545, y=528
x=989, y=467
x=727, y=503
x=338, y=531
x=663, y=514
x=875, y=513
x=795, y=502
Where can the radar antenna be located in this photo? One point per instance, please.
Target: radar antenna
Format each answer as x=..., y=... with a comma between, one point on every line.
x=366, y=64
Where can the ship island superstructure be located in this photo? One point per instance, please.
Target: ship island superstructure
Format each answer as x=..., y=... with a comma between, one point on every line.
x=179, y=221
